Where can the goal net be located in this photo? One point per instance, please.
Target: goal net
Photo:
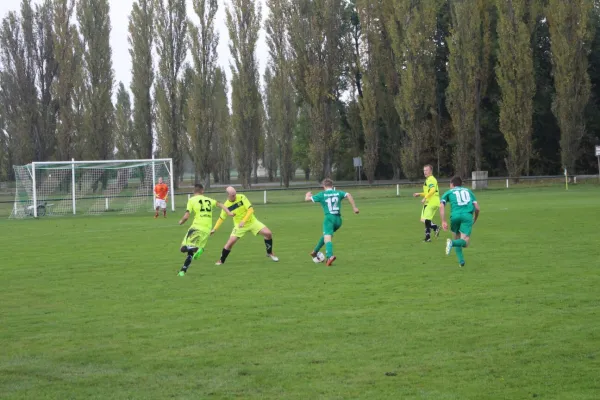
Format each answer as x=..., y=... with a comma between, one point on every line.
x=89, y=187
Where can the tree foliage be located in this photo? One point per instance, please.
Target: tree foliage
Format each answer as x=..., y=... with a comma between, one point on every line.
x=515, y=76
x=571, y=37
x=243, y=22
x=281, y=107
x=201, y=114
x=141, y=40
x=413, y=26
x=94, y=26
x=171, y=26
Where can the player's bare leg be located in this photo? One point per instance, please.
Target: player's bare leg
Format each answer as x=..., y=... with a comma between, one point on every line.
x=268, y=235
x=329, y=250
x=227, y=249
x=164, y=212
x=156, y=214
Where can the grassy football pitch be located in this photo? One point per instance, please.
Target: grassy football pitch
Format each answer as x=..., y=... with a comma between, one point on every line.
x=91, y=307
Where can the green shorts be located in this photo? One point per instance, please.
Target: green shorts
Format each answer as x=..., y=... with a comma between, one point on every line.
x=428, y=211
x=331, y=223
x=462, y=223
x=195, y=238
x=253, y=227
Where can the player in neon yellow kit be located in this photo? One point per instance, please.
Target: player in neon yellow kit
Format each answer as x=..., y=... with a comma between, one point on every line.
x=244, y=221
x=197, y=235
x=431, y=202
x=464, y=214
x=331, y=201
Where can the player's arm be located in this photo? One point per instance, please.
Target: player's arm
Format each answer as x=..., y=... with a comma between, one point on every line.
x=247, y=216
x=430, y=193
x=443, y=212
x=308, y=196
x=221, y=217
x=185, y=217
x=352, y=203
x=476, y=213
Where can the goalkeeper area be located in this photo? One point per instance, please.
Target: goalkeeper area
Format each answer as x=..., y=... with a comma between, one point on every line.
x=92, y=308
x=88, y=187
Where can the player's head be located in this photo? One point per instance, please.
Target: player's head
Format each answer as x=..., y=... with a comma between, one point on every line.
x=231, y=193
x=327, y=183
x=198, y=188
x=455, y=181
x=427, y=170
x=160, y=180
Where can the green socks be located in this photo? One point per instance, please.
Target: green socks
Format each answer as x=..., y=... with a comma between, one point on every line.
x=320, y=244
x=459, y=255
x=458, y=245
x=329, y=249
x=198, y=254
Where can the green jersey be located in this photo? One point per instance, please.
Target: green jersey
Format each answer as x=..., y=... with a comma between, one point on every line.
x=202, y=208
x=331, y=201
x=461, y=199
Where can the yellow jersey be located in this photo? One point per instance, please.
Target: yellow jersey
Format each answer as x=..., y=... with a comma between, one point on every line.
x=239, y=207
x=431, y=182
x=201, y=207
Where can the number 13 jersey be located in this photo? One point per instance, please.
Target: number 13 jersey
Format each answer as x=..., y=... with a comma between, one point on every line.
x=331, y=201
x=201, y=207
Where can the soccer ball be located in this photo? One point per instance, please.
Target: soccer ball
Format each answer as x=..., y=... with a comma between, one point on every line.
x=319, y=258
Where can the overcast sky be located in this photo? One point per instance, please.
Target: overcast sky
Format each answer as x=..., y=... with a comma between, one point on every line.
x=119, y=14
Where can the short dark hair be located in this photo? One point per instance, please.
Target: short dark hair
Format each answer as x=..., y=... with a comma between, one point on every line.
x=198, y=187
x=456, y=181
x=428, y=166
x=327, y=182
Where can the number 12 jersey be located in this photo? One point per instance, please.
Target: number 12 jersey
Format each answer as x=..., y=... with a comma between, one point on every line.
x=331, y=201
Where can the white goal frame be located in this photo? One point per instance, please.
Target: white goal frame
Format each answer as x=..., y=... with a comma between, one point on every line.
x=73, y=163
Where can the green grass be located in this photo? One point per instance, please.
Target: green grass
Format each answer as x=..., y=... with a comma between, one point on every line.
x=91, y=307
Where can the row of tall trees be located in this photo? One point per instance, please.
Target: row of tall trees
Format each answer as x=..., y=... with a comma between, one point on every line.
x=508, y=86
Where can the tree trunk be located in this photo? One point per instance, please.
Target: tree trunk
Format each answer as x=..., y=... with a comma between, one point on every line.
x=478, y=127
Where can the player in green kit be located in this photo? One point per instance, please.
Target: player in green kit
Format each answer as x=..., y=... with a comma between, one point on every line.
x=331, y=201
x=463, y=215
x=197, y=235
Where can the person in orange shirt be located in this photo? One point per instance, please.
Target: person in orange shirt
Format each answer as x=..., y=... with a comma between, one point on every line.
x=161, y=192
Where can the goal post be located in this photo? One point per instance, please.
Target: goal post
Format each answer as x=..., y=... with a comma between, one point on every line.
x=89, y=187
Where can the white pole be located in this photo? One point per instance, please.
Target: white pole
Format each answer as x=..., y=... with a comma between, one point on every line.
x=106, y=203
x=153, y=180
x=575, y=180
x=73, y=184
x=34, y=189
x=265, y=197
x=398, y=190
x=189, y=195
x=507, y=183
x=172, y=181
